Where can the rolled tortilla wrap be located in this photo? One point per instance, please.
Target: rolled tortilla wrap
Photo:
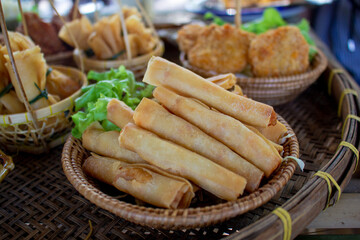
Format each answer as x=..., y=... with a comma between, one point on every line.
x=182, y=162
x=97, y=140
x=155, y=118
x=119, y=113
x=224, y=128
x=167, y=74
x=147, y=183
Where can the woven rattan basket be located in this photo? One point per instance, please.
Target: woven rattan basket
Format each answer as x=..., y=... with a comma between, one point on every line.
x=74, y=155
x=273, y=91
x=136, y=64
x=19, y=133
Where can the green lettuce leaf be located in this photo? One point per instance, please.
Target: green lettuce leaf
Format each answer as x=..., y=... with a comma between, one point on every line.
x=91, y=106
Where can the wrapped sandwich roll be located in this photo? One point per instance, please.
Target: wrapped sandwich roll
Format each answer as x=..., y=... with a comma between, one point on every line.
x=147, y=183
x=32, y=70
x=182, y=162
x=167, y=74
x=155, y=118
x=97, y=140
x=224, y=128
x=119, y=113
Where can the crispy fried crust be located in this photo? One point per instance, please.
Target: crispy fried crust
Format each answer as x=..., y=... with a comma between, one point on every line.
x=221, y=48
x=188, y=35
x=280, y=52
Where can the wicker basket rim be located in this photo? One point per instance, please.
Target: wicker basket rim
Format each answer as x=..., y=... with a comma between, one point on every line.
x=137, y=60
x=317, y=66
x=20, y=118
x=178, y=218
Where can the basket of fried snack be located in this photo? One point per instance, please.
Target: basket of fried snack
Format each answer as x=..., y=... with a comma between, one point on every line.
x=119, y=39
x=36, y=100
x=273, y=65
x=45, y=35
x=185, y=156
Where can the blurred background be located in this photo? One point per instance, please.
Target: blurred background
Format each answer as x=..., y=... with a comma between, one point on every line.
x=336, y=23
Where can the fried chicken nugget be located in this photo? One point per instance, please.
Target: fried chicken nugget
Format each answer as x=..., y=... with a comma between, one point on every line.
x=279, y=52
x=188, y=35
x=222, y=49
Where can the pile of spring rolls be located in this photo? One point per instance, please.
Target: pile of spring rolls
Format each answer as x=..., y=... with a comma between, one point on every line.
x=194, y=134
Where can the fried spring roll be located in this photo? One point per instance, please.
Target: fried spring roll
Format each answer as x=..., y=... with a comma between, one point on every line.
x=276, y=147
x=97, y=140
x=182, y=162
x=225, y=81
x=274, y=133
x=119, y=113
x=162, y=72
x=224, y=128
x=147, y=183
x=155, y=118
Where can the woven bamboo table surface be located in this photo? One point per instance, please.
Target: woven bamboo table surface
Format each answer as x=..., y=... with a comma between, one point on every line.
x=38, y=202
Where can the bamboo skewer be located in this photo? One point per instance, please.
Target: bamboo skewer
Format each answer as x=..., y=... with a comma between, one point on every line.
x=126, y=36
x=71, y=35
x=23, y=20
x=76, y=7
x=147, y=19
x=238, y=14
x=96, y=14
x=17, y=77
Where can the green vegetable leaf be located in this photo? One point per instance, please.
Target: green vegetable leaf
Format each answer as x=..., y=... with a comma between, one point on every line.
x=92, y=104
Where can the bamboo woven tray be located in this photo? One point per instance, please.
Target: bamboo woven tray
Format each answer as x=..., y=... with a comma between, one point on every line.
x=272, y=90
x=38, y=202
x=197, y=215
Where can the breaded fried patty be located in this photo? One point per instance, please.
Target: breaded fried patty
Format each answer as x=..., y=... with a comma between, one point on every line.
x=188, y=35
x=222, y=49
x=279, y=52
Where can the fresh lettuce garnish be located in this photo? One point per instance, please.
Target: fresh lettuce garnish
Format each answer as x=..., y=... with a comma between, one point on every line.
x=217, y=20
x=91, y=106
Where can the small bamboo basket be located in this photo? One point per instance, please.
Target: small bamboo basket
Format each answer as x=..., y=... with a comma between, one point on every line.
x=36, y=131
x=74, y=155
x=272, y=90
x=137, y=65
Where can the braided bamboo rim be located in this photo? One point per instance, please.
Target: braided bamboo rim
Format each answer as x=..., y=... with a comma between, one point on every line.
x=273, y=91
x=74, y=155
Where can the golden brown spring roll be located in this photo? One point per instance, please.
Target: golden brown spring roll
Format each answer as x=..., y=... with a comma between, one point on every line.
x=155, y=118
x=224, y=128
x=162, y=72
x=106, y=143
x=119, y=113
x=182, y=162
x=237, y=90
x=147, y=183
x=274, y=133
x=225, y=81
x=276, y=147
